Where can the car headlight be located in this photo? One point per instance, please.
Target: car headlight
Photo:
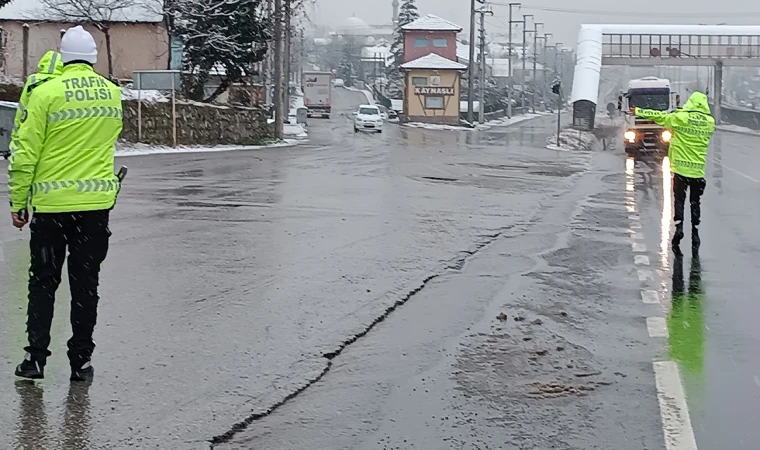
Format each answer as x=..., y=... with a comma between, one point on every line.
x=666, y=135
x=630, y=136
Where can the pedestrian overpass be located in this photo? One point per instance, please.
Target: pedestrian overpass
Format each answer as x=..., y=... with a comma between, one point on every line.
x=657, y=45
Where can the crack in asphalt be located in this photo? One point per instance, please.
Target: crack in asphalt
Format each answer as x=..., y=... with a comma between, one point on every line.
x=456, y=265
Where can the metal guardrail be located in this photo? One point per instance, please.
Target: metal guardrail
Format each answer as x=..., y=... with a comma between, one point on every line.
x=742, y=117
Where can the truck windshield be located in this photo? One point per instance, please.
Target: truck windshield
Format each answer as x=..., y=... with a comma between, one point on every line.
x=650, y=99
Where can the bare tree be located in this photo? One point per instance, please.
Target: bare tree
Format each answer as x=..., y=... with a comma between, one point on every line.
x=100, y=13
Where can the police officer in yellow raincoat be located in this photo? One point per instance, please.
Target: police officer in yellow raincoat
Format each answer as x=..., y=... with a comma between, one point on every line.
x=62, y=169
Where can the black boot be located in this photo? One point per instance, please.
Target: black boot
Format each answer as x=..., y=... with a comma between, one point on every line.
x=695, y=240
x=31, y=368
x=677, y=237
x=84, y=373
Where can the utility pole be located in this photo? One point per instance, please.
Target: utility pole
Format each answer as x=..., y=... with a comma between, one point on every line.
x=278, y=99
x=471, y=69
x=511, y=79
x=266, y=68
x=287, y=63
x=558, y=61
x=482, y=108
x=544, y=82
x=524, y=55
x=535, y=57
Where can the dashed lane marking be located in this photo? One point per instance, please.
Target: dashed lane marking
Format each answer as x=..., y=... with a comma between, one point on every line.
x=641, y=260
x=676, y=423
x=638, y=247
x=645, y=275
x=657, y=327
x=650, y=297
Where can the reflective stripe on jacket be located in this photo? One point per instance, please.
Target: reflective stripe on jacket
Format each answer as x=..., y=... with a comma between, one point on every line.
x=692, y=128
x=64, y=154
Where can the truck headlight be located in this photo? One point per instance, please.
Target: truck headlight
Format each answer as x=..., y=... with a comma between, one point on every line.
x=630, y=136
x=666, y=135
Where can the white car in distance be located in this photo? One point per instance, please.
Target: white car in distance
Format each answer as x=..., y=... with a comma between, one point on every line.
x=368, y=118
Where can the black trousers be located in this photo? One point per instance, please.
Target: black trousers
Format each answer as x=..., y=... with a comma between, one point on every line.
x=85, y=235
x=696, y=188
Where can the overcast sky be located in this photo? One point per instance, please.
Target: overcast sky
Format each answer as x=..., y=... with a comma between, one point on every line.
x=564, y=25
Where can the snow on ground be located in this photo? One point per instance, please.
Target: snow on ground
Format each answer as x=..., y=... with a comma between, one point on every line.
x=738, y=129
x=503, y=122
x=295, y=130
x=368, y=94
x=144, y=95
x=572, y=140
x=123, y=150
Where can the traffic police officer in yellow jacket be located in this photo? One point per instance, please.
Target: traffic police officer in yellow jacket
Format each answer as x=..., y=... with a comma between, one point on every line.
x=50, y=66
x=62, y=168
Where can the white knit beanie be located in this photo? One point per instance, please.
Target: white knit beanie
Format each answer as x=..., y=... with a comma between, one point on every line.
x=78, y=45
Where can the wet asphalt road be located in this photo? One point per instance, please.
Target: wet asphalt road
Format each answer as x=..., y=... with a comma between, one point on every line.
x=712, y=301
x=360, y=276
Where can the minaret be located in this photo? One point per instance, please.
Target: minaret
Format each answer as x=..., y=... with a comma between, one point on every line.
x=395, y=12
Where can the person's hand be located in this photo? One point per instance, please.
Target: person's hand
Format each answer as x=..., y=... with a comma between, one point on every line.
x=18, y=220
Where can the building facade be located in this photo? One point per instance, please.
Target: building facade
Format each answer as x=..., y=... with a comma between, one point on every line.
x=138, y=40
x=432, y=90
x=431, y=71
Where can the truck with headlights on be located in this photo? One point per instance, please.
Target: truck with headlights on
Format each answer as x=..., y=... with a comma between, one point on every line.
x=643, y=135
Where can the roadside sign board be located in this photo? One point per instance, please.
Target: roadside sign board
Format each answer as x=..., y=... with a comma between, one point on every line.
x=157, y=80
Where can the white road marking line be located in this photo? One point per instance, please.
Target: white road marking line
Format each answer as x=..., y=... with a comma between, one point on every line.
x=635, y=226
x=650, y=297
x=657, y=327
x=740, y=173
x=645, y=275
x=638, y=247
x=637, y=236
x=676, y=423
x=641, y=260
x=634, y=217
x=630, y=208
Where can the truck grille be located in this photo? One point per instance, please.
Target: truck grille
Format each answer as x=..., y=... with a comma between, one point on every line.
x=650, y=139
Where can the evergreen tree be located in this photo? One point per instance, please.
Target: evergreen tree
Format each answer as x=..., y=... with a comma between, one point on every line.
x=224, y=38
x=407, y=14
x=346, y=69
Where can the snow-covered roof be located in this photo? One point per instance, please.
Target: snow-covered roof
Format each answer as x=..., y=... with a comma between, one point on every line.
x=435, y=62
x=378, y=51
x=500, y=66
x=431, y=22
x=33, y=10
x=589, y=52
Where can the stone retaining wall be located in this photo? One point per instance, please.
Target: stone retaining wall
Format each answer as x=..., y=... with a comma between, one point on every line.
x=197, y=124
